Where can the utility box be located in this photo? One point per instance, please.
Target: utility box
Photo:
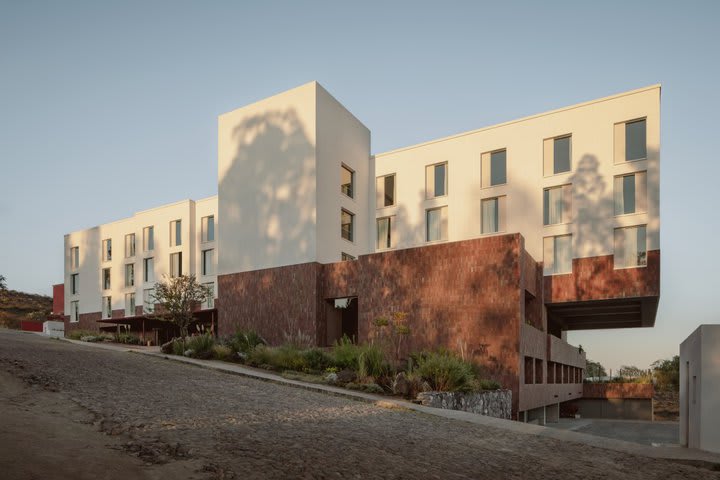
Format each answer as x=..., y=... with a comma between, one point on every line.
x=700, y=389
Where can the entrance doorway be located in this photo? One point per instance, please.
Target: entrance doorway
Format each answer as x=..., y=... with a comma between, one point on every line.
x=341, y=316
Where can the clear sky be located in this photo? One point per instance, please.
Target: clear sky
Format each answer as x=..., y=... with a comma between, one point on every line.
x=107, y=108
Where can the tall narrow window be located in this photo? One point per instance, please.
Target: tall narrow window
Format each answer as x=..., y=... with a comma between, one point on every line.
x=347, y=221
x=148, y=239
x=175, y=233
x=557, y=203
x=148, y=269
x=493, y=168
x=75, y=283
x=436, y=180
x=210, y=301
x=129, y=304
x=106, y=279
x=75, y=311
x=149, y=300
x=130, y=245
x=557, y=254
x=74, y=258
x=347, y=181
x=384, y=233
x=493, y=215
x=630, y=247
x=208, y=229
x=106, y=307
x=107, y=250
x=130, y=275
x=557, y=155
x=631, y=193
x=436, y=224
x=176, y=264
x=208, y=265
x=385, y=191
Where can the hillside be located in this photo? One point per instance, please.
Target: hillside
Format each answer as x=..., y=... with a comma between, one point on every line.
x=15, y=306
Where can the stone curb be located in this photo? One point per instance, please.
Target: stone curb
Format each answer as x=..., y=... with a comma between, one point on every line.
x=694, y=457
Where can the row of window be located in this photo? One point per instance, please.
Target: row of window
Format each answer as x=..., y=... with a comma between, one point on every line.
x=556, y=372
x=207, y=267
x=148, y=307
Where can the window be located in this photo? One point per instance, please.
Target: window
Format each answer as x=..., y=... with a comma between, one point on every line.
x=529, y=374
x=130, y=275
x=346, y=257
x=538, y=370
x=175, y=233
x=557, y=254
x=436, y=182
x=631, y=193
x=74, y=258
x=557, y=205
x=75, y=311
x=347, y=181
x=347, y=221
x=148, y=269
x=149, y=239
x=210, y=301
x=149, y=300
x=129, y=304
x=208, y=267
x=436, y=224
x=75, y=283
x=630, y=247
x=106, y=307
x=385, y=191
x=557, y=154
x=631, y=141
x=130, y=245
x=107, y=250
x=493, y=215
x=384, y=233
x=106, y=278
x=208, y=229
x=494, y=168
x=176, y=264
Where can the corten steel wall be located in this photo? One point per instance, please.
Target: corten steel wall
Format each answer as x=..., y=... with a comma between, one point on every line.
x=59, y=298
x=596, y=279
x=618, y=390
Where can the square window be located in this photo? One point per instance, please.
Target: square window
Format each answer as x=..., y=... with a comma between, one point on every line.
x=75, y=283
x=493, y=215
x=630, y=247
x=130, y=245
x=148, y=269
x=176, y=264
x=107, y=250
x=208, y=267
x=557, y=254
x=75, y=311
x=384, y=233
x=493, y=168
x=347, y=181
x=148, y=239
x=557, y=205
x=436, y=181
x=385, y=191
x=436, y=224
x=130, y=275
x=175, y=233
x=630, y=193
x=208, y=229
x=347, y=221
x=149, y=300
x=107, y=307
x=74, y=258
x=635, y=140
x=129, y=304
x=106, y=278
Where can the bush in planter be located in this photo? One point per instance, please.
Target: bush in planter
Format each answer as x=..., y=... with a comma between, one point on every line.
x=445, y=372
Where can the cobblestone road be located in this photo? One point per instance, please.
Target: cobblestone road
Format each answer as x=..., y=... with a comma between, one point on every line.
x=227, y=426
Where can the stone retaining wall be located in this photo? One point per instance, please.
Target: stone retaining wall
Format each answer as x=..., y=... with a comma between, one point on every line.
x=497, y=403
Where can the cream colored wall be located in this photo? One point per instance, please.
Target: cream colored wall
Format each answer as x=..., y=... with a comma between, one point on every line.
x=267, y=182
x=342, y=139
x=205, y=208
x=592, y=170
x=91, y=264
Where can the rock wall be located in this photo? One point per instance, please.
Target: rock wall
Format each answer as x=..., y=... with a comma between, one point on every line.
x=497, y=403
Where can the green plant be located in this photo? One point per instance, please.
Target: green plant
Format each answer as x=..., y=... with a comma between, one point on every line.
x=485, y=384
x=127, y=338
x=78, y=334
x=244, y=341
x=345, y=354
x=445, y=372
x=178, y=347
x=371, y=362
x=201, y=345
x=285, y=357
x=316, y=359
x=221, y=352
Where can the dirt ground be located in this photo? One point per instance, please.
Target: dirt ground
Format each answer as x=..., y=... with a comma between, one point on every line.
x=69, y=411
x=666, y=406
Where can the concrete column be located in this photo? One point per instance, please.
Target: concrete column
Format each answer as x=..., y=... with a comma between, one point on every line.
x=552, y=413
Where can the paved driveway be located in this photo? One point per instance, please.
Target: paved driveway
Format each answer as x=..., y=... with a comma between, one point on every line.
x=643, y=432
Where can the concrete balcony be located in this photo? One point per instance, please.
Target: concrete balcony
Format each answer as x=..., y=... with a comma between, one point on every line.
x=559, y=351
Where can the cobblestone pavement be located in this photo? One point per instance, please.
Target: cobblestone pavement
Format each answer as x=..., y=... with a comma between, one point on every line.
x=224, y=426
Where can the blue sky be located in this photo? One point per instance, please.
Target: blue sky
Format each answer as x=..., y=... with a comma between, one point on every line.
x=107, y=108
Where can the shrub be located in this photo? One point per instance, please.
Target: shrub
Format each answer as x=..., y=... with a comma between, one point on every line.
x=201, y=345
x=485, y=384
x=127, y=338
x=279, y=358
x=244, y=341
x=345, y=354
x=221, y=352
x=317, y=359
x=102, y=337
x=177, y=347
x=371, y=362
x=445, y=372
x=78, y=334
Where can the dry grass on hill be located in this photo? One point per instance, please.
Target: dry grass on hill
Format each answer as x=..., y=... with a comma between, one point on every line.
x=15, y=306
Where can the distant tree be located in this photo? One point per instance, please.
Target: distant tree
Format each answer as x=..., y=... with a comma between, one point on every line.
x=177, y=298
x=667, y=373
x=630, y=371
x=594, y=370
x=3, y=288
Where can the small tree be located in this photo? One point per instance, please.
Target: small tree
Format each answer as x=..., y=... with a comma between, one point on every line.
x=667, y=373
x=3, y=288
x=178, y=296
x=594, y=370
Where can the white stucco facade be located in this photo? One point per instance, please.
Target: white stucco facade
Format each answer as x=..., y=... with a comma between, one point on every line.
x=700, y=389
